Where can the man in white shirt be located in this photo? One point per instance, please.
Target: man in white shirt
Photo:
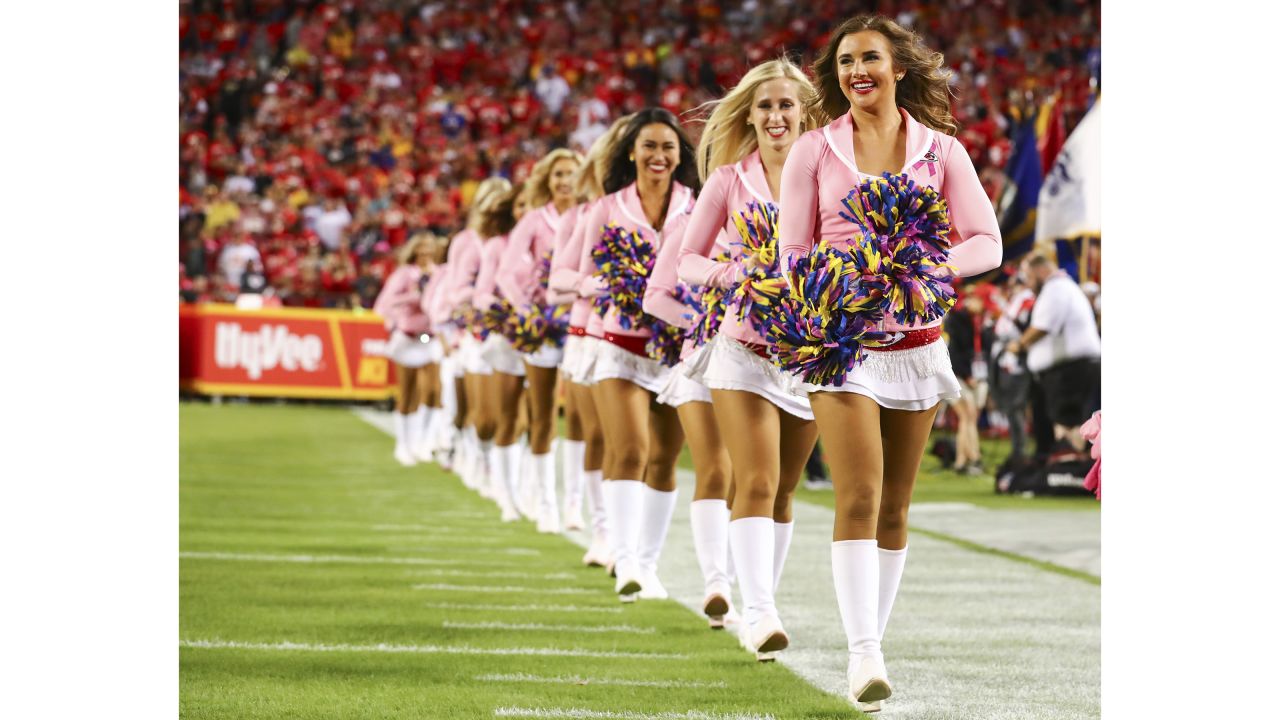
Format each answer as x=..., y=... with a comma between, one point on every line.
x=1064, y=349
x=237, y=258
x=330, y=223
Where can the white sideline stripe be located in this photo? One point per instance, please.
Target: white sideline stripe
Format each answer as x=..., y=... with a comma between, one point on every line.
x=416, y=528
x=493, y=574
x=629, y=629
x=287, y=646
x=356, y=559
x=579, y=680
x=509, y=589
x=464, y=549
x=520, y=712
x=525, y=608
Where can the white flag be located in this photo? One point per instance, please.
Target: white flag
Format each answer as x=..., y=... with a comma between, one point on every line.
x=1071, y=197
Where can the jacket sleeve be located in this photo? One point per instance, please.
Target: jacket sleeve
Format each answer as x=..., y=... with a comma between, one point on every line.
x=515, y=265
x=709, y=216
x=798, y=206
x=659, y=294
x=588, y=284
x=973, y=219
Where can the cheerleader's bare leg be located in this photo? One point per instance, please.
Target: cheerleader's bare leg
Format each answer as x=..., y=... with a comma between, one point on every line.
x=593, y=462
x=408, y=400
x=660, y=494
x=624, y=415
x=541, y=398
x=709, y=513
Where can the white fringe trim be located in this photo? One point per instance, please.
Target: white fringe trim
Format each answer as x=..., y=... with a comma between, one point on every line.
x=900, y=366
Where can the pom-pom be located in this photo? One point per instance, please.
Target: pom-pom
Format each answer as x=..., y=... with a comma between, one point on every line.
x=905, y=227
x=760, y=290
x=540, y=324
x=709, y=315
x=665, y=342
x=817, y=328
x=623, y=259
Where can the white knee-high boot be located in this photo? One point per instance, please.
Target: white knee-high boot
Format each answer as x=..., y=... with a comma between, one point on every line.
x=752, y=542
x=855, y=568
x=624, y=504
x=400, y=424
x=512, y=468
x=892, y=563
x=544, y=469
x=658, y=508
x=418, y=434
x=710, y=523
x=781, y=545
x=574, y=452
x=599, y=552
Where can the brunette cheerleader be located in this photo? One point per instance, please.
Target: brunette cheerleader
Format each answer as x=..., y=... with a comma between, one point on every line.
x=650, y=178
x=888, y=95
x=519, y=280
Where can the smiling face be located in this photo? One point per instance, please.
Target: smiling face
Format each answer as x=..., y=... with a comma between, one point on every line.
x=656, y=151
x=864, y=67
x=775, y=113
x=521, y=204
x=561, y=180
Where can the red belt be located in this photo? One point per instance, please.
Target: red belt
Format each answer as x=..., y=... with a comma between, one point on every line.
x=579, y=331
x=630, y=343
x=757, y=348
x=911, y=339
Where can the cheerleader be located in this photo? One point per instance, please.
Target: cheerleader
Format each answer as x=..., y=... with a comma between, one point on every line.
x=399, y=304
x=433, y=394
x=768, y=431
x=502, y=389
x=650, y=178
x=888, y=95
x=550, y=193
x=455, y=305
x=568, y=277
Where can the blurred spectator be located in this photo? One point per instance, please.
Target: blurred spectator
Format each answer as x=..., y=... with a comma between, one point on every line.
x=1064, y=349
x=1010, y=381
x=237, y=258
x=331, y=222
x=968, y=339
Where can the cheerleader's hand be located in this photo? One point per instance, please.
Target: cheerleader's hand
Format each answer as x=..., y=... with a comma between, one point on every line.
x=751, y=267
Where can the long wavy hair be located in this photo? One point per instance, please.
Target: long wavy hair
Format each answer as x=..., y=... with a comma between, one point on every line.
x=620, y=170
x=498, y=215
x=587, y=183
x=539, y=182
x=488, y=189
x=922, y=92
x=419, y=242
x=726, y=136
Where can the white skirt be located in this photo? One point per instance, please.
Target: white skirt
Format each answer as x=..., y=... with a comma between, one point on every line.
x=726, y=364
x=613, y=362
x=680, y=389
x=915, y=379
x=409, y=352
x=469, y=356
x=547, y=356
x=500, y=356
x=435, y=350
x=579, y=366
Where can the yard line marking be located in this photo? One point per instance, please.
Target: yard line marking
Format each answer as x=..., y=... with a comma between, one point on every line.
x=510, y=589
x=288, y=646
x=520, y=712
x=464, y=549
x=579, y=680
x=416, y=528
x=629, y=629
x=493, y=574
x=356, y=559
x=615, y=610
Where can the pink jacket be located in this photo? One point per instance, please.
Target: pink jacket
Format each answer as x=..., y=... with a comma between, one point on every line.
x=399, y=301
x=464, y=265
x=532, y=237
x=820, y=171
x=624, y=209
x=567, y=272
x=433, y=296
x=660, y=294
x=711, y=230
x=486, y=287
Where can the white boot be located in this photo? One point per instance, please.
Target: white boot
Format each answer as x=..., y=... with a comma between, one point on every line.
x=710, y=523
x=430, y=424
x=624, y=504
x=400, y=424
x=855, y=568
x=598, y=554
x=658, y=509
x=417, y=433
x=752, y=542
x=485, y=469
x=497, y=486
x=510, y=479
x=574, y=452
x=781, y=545
x=892, y=563
x=544, y=468
x=527, y=484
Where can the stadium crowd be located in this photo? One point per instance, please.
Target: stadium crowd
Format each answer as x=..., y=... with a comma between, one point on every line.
x=316, y=137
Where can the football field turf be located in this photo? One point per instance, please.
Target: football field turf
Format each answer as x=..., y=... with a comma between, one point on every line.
x=320, y=579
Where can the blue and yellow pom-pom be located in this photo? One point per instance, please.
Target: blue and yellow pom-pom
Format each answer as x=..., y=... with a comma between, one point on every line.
x=624, y=260
x=760, y=289
x=540, y=324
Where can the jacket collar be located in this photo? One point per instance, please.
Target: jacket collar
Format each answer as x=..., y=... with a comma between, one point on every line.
x=751, y=174
x=629, y=202
x=839, y=136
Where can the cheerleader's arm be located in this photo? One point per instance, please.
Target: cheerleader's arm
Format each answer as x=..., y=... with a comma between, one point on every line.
x=709, y=215
x=659, y=293
x=798, y=206
x=973, y=219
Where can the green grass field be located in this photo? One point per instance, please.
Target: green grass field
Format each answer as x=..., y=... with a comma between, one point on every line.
x=318, y=579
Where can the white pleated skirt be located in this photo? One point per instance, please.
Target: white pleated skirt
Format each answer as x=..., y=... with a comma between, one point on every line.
x=915, y=379
x=726, y=364
x=579, y=358
x=498, y=353
x=410, y=351
x=613, y=362
x=470, y=358
x=547, y=356
x=681, y=389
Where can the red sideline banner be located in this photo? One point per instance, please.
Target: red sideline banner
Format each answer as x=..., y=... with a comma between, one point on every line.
x=283, y=352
